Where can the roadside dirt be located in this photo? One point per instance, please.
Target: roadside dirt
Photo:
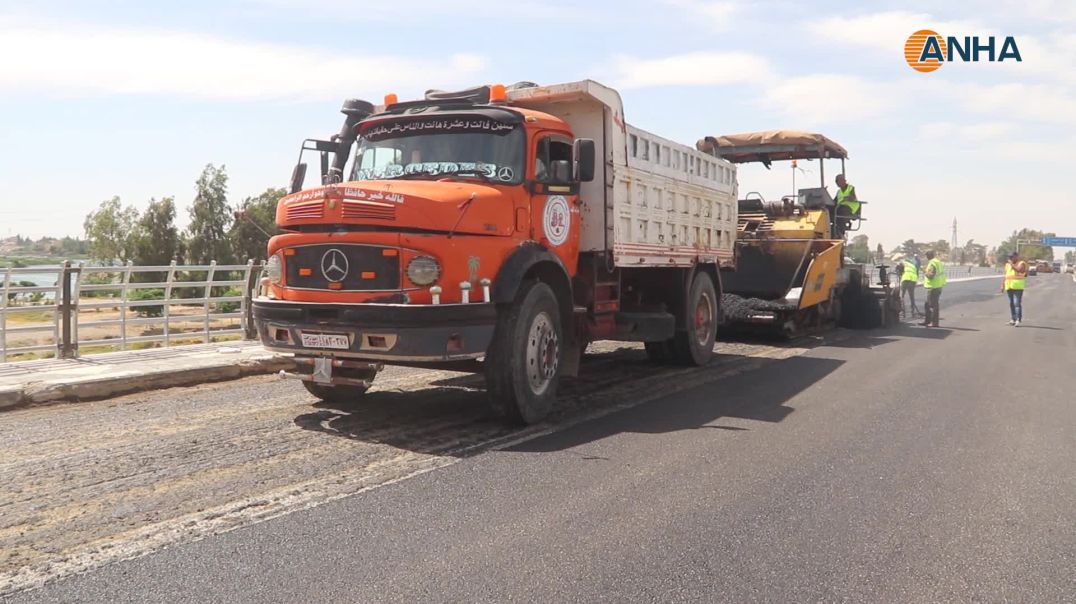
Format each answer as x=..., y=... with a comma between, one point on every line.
x=88, y=484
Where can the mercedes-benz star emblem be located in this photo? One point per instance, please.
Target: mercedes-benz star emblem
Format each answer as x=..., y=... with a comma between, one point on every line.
x=334, y=265
x=505, y=173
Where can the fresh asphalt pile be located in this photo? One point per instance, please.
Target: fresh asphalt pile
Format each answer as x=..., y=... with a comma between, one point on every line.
x=740, y=309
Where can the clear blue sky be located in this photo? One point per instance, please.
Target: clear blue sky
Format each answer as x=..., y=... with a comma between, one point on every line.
x=129, y=98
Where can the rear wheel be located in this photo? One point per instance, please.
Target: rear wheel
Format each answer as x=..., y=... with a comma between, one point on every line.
x=695, y=345
x=523, y=363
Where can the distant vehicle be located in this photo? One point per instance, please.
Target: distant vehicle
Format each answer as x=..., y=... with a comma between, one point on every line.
x=1045, y=267
x=1032, y=269
x=1056, y=267
x=1070, y=268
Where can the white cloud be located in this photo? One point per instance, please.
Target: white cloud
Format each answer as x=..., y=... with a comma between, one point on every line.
x=1020, y=101
x=886, y=31
x=418, y=10
x=1048, y=10
x=973, y=133
x=97, y=60
x=692, y=69
x=830, y=98
x=715, y=15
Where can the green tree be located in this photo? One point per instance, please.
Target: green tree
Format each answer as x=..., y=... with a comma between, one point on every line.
x=941, y=248
x=156, y=240
x=1027, y=251
x=210, y=218
x=109, y=231
x=71, y=246
x=909, y=247
x=255, y=223
x=860, y=249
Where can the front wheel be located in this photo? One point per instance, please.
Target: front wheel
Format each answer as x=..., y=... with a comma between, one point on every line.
x=524, y=360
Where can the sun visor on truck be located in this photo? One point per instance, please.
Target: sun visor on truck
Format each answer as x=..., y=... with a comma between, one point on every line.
x=478, y=95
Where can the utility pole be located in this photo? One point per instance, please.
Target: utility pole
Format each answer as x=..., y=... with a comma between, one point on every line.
x=953, y=245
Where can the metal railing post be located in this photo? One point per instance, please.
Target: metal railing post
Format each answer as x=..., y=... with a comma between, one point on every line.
x=67, y=349
x=123, y=305
x=3, y=316
x=245, y=305
x=208, y=295
x=168, y=299
x=76, y=296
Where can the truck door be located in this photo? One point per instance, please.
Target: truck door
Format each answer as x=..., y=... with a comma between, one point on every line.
x=555, y=207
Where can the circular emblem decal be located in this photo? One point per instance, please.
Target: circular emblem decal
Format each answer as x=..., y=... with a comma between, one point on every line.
x=557, y=219
x=334, y=265
x=505, y=173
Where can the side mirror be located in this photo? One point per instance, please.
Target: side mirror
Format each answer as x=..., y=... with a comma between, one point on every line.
x=561, y=171
x=584, y=159
x=298, y=176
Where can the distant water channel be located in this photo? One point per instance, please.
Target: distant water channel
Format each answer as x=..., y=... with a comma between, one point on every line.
x=39, y=274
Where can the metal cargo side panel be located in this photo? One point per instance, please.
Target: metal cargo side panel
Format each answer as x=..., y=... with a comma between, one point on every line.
x=672, y=205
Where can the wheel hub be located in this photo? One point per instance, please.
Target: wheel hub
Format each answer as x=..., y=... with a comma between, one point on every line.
x=543, y=355
x=704, y=318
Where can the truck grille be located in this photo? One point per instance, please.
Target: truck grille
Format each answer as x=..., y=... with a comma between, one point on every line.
x=369, y=210
x=306, y=210
x=345, y=267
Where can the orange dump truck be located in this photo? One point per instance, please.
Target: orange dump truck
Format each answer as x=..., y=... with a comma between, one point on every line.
x=496, y=230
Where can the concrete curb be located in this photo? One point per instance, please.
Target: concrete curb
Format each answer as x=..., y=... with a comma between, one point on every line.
x=42, y=392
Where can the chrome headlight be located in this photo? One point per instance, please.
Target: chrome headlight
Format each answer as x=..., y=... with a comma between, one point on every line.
x=423, y=270
x=274, y=269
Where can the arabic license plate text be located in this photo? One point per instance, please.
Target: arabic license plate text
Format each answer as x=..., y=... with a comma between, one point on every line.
x=326, y=340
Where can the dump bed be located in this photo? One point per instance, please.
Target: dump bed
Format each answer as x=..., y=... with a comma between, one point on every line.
x=653, y=202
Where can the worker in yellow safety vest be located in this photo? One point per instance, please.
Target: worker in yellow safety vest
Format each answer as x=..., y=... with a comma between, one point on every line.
x=846, y=197
x=909, y=278
x=1015, y=281
x=847, y=207
x=934, y=281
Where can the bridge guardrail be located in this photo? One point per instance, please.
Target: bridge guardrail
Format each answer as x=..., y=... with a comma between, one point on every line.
x=180, y=287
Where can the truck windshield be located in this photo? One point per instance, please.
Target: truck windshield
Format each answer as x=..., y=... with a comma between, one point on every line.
x=434, y=148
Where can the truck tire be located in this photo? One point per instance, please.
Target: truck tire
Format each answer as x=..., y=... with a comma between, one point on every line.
x=341, y=393
x=523, y=363
x=695, y=345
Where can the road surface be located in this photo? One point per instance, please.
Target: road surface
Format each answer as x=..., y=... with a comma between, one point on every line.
x=904, y=465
